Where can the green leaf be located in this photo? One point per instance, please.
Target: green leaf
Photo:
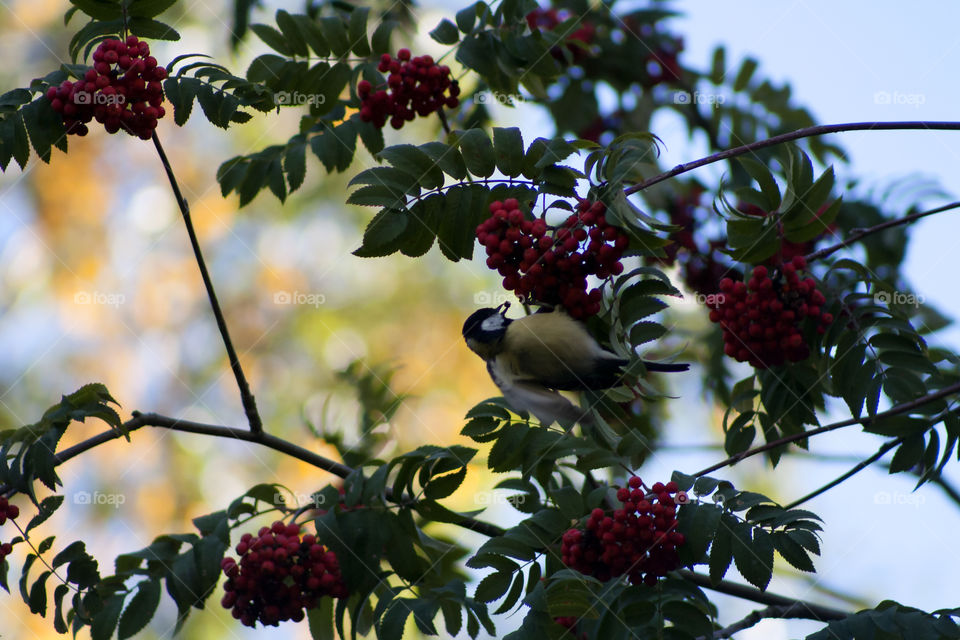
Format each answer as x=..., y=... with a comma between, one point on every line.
x=466, y=206
x=379, y=239
x=181, y=93
x=105, y=622
x=508, y=147
x=445, y=33
x=416, y=162
x=493, y=586
x=792, y=552
x=46, y=509
x=753, y=555
x=272, y=38
x=721, y=551
x=718, y=67
x=908, y=455
x=335, y=34
x=320, y=620
x=140, y=609
x=38, y=594
x=295, y=163
x=99, y=9
x=447, y=158
x=148, y=28
x=443, y=486
x=357, y=31
x=43, y=125
x=477, y=152
x=290, y=32
x=743, y=76
x=148, y=8
x=380, y=41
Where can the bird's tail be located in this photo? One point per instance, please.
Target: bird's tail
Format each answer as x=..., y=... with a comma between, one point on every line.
x=666, y=367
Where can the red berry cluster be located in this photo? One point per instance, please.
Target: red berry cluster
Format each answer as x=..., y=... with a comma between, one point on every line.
x=10, y=511
x=550, y=19
x=639, y=540
x=121, y=91
x=279, y=575
x=551, y=264
x=415, y=87
x=761, y=318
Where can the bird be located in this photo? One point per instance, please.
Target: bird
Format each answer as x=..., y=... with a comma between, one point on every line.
x=532, y=359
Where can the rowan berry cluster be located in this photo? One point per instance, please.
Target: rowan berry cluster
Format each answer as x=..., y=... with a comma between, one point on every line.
x=638, y=540
x=551, y=264
x=123, y=90
x=10, y=511
x=550, y=19
x=415, y=87
x=762, y=318
x=279, y=575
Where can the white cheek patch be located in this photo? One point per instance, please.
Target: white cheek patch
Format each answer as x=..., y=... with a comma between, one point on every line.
x=493, y=323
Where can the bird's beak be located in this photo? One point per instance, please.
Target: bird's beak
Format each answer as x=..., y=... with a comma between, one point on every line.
x=503, y=308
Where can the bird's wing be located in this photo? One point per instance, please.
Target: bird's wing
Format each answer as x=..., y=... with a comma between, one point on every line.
x=546, y=405
x=557, y=351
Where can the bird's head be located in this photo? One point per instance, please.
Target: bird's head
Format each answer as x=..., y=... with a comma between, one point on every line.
x=484, y=330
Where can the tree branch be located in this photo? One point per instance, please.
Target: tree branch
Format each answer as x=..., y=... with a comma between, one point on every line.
x=863, y=233
x=807, y=132
x=799, y=608
x=141, y=420
x=906, y=407
x=782, y=611
x=860, y=466
x=246, y=397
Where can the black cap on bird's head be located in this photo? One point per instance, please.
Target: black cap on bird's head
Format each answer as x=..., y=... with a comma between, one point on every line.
x=484, y=330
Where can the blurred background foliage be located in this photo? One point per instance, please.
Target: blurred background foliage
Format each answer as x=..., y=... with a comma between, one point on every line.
x=98, y=283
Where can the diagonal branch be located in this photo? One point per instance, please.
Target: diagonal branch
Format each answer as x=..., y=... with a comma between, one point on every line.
x=807, y=132
x=863, y=233
x=246, y=397
x=906, y=407
x=860, y=466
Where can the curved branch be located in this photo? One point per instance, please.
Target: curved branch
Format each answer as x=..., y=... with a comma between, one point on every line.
x=906, y=407
x=246, y=397
x=863, y=233
x=807, y=132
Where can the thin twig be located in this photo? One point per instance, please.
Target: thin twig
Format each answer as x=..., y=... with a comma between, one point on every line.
x=860, y=466
x=806, y=132
x=893, y=411
x=862, y=233
x=246, y=397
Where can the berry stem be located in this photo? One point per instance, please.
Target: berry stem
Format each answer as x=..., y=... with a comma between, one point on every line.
x=862, y=233
x=906, y=407
x=807, y=132
x=246, y=397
